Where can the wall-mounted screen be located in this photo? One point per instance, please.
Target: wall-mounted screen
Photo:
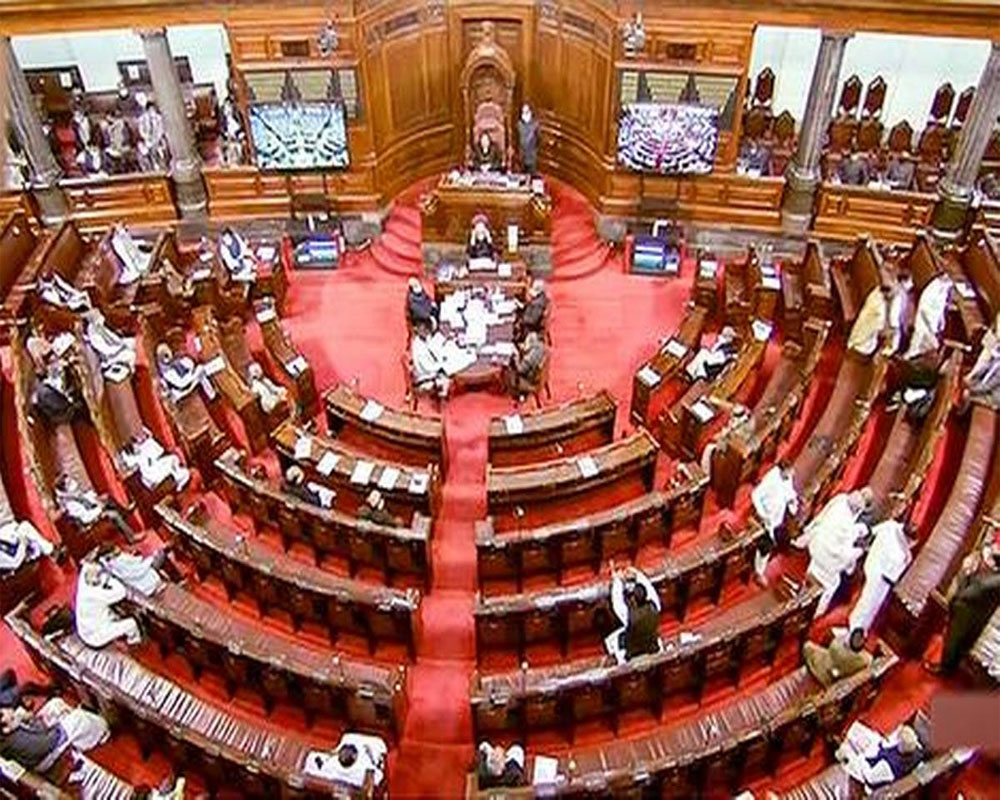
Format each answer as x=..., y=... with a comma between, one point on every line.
x=290, y=136
x=667, y=138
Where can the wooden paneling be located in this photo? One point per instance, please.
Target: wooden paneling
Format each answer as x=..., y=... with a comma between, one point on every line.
x=846, y=211
x=138, y=199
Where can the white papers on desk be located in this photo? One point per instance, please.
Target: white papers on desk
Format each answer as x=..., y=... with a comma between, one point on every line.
x=266, y=252
x=546, y=771
x=327, y=463
x=419, y=481
x=966, y=291
x=514, y=424
x=503, y=307
x=62, y=343
x=475, y=331
x=503, y=349
x=266, y=314
x=771, y=282
x=388, y=478
x=202, y=274
x=362, y=473
x=297, y=366
x=451, y=309
x=324, y=493
x=649, y=376
x=675, y=348
x=537, y=186
x=588, y=467
x=702, y=411
x=482, y=264
x=11, y=770
x=371, y=411
x=761, y=330
x=504, y=270
x=687, y=638
x=303, y=447
x=456, y=358
x=708, y=268
x=215, y=366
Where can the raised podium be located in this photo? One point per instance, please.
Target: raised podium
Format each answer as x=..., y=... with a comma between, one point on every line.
x=505, y=199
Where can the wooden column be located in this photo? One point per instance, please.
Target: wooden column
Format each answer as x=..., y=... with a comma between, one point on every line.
x=45, y=170
x=804, y=176
x=956, y=188
x=185, y=163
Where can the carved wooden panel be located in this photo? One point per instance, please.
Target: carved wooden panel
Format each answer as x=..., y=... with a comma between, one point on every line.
x=141, y=199
x=844, y=212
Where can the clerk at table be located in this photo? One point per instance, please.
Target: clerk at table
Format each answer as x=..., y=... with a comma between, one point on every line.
x=480, y=240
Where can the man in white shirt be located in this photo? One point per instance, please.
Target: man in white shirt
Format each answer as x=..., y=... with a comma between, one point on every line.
x=152, y=136
x=116, y=353
x=929, y=321
x=20, y=542
x=887, y=559
x=870, y=322
x=983, y=380
x=835, y=538
x=54, y=289
x=773, y=498
x=429, y=372
x=134, y=262
x=710, y=361
x=236, y=257
x=97, y=624
x=355, y=756
x=269, y=394
x=181, y=375
x=85, y=508
x=144, y=453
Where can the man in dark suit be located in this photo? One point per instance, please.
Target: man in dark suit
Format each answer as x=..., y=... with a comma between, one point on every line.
x=486, y=156
x=977, y=595
x=420, y=308
x=636, y=603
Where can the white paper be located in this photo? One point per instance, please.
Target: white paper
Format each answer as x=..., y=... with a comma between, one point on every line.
x=504, y=270
x=215, y=366
x=303, y=447
x=675, y=348
x=512, y=238
x=514, y=424
x=966, y=291
x=388, y=478
x=483, y=264
x=362, y=473
x=588, y=467
x=688, y=638
x=297, y=365
x=266, y=314
x=761, y=330
x=11, y=769
x=266, y=252
x=66, y=80
x=702, y=411
x=371, y=411
x=327, y=463
x=419, y=481
x=62, y=343
x=202, y=274
x=546, y=771
x=649, y=376
x=133, y=71
x=770, y=282
x=324, y=493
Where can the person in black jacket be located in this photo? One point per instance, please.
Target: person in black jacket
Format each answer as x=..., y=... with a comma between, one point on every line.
x=532, y=316
x=498, y=767
x=420, y=307
x=976, y=597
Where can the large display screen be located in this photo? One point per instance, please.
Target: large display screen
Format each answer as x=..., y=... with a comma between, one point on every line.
x=668, y=138
x=299, y=135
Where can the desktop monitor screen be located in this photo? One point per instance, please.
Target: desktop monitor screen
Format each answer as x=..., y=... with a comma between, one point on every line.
x=668, y=138
x=304, y=136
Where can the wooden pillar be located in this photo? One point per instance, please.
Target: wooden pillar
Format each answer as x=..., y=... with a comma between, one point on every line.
x=185, y=163
x=803, y=176
x=956, y=188
x=23, y=114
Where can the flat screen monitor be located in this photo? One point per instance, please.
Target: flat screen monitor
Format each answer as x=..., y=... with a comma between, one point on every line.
x=299, y=136
x=668, y=138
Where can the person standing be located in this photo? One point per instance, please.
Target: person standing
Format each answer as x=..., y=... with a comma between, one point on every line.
x=527, y=135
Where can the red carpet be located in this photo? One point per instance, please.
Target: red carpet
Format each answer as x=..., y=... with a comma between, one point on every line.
x=350, y=326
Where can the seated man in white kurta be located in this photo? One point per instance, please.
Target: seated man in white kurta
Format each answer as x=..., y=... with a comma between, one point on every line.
x=355, y=756
x=144, y=453
x=97, y=624
x=134, y=261
x=20, y=542
x=115, y=353
x=930, y=318
x=773, y=498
